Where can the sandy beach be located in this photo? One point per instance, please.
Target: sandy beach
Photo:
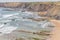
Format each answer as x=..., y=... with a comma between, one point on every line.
x=56, y=31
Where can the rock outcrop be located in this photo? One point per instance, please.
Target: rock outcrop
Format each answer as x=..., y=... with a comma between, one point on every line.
x=35, y=7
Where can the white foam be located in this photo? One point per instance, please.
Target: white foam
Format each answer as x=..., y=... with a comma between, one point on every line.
x=1, y=25
x=8, y=29
x=5, y=16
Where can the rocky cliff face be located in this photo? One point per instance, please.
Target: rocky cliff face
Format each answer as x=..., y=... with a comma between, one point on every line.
x=35, y=7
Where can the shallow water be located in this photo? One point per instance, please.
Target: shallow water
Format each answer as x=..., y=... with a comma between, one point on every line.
x=19, y=25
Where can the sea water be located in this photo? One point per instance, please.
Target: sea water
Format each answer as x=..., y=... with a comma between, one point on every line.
x=15, y=20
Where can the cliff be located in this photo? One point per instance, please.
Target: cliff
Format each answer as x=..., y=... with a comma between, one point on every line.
x=35, y=7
